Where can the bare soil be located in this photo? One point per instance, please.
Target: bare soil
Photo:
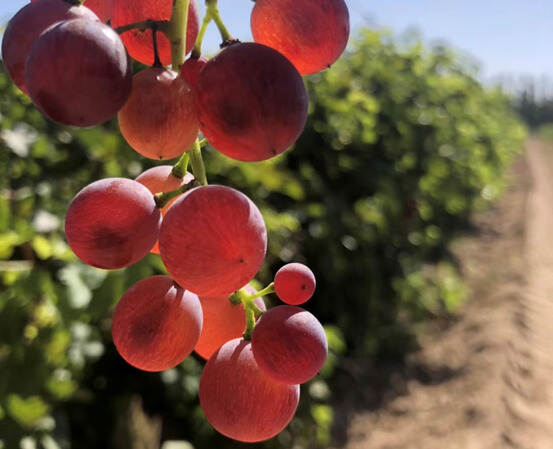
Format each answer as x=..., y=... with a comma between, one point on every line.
x=486, y=380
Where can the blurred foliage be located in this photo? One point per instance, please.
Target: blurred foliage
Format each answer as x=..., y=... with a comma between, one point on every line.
x=402, y=145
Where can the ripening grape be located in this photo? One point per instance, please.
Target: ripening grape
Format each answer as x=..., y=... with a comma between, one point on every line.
x=160, y=180
x=156, y=324
x=78, y=73
x=289, y=344
x=239, y=401
x=251, y=102
x=139, y=43
x=191, y=69
x=223, y=322
x=101, y=8
x=159, y=119
x=213, y=240
x=312, y=34
x=27, y=25
x=294, y=283
x=112, y=223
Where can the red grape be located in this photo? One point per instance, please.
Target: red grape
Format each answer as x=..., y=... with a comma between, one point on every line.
x=78, y=72
x=223, y=322
x=139, y=43
x=156, y=324
x=159, y=119
x=239, y=401
x=251, y=102
x=213, y=240
x=159, y=179
x=312, y=34
x=191, y=69
x=102, y=8
x=289, y=344
x=294, y=283
x=27, y=25
x=112, y=223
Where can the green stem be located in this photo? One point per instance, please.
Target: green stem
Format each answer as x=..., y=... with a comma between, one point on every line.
x=144, y=25
x=213, y=10
x=75, y=2
x=176, y=32
x=197, y=163
x=162, y=199
x=203, y=142
x=250, y=324
x=197, y=50
x=180, y=168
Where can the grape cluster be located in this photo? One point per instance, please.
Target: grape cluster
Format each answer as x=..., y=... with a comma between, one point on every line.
x=250, y=103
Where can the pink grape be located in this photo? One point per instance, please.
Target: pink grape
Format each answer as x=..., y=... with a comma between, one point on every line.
x=27, y=25
x=289, y=345
x=112, y=223
x=78, y=73
x=251, y=102
x=312, y=34
x=294, y=283
x=156, y=324
x=239, y=401
x=159, y=119
x=213, y=240
x=191, y=69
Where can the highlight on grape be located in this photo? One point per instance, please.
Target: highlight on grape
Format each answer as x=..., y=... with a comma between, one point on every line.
x=248, y=102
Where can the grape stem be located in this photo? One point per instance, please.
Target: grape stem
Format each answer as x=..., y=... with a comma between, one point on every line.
x=197, y=163
x=197, y=50
x=143, y=25
x=213, y=11
x=176, y=32
x=75, y=2
x=253, y=312
x=157, y=61
x=180, y=168
x=162, y=199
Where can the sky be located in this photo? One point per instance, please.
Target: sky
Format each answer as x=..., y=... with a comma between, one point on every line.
x=508, y=38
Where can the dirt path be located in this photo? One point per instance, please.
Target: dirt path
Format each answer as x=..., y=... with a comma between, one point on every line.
x=488, y=380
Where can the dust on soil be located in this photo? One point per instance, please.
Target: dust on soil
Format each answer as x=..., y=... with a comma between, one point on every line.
x=485, y=382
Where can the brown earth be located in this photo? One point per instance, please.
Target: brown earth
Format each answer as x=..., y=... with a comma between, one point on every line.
x=486, y=380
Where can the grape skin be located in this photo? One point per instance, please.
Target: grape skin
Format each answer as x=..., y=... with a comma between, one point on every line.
x=239, y=401
x=251, y=102
x=156, y=324
x=78, y=73
x=112, y=223
x=312, y=34
x=223, y=322
x=294, y=283
x=289, y=345
x=27, y=25
x=159, y=119
x=139, y=43
x=213, y=240
x=160, y=180
x=191, y=69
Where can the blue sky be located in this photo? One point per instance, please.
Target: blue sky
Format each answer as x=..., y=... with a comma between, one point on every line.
x=505, y=37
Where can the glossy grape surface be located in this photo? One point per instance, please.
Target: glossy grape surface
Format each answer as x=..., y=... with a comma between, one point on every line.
x=78, y=73
x=112, y=223
x=312, y=34
x=213, y=240
x=156, y=324
x=289, y=345
x=27, y=25
x=251, y=102
x=239, y=401
x=159, y=119
x=294, y=283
